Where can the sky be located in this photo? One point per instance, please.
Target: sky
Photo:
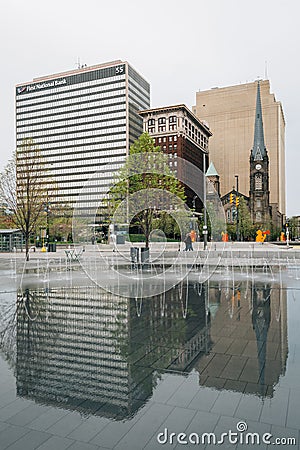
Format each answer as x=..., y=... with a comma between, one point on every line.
x=178, y=46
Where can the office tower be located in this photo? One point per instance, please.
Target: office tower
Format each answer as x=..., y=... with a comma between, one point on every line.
x=81, y=121
x=180, y=134
x=230, y=113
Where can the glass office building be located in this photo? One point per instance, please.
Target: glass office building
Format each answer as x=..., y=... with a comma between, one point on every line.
x=81, y=121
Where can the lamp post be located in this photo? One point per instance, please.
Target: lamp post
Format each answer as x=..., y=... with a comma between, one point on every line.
x=287, y=233
x=205, y=231
x=194, y=203
x=47, y=211
x=237, y=208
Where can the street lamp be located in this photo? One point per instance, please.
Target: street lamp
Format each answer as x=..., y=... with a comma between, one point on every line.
x=47, y=209
x=287, y=233
x=194, y=203
x=205, y=232
x=237, y=207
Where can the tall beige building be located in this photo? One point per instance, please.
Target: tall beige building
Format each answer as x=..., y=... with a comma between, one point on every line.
x=230, y=113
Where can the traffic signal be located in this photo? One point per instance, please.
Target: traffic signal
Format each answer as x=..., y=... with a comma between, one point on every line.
x=237, y=201
x=231, y=198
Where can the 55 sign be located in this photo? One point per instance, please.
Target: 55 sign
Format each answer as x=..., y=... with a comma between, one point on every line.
x=120, y=70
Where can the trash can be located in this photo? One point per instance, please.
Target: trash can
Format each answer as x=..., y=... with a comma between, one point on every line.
x=134, y=255
x=51, y=247
x=120, y=239
x=144, y=255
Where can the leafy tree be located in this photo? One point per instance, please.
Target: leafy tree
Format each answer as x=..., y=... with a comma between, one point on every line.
x=246, y=227
x=215, y=222
x=167, y=224
x=145, y=181
x=23, y=189
x=5, y=218
x=60, y=222
x=293, y=226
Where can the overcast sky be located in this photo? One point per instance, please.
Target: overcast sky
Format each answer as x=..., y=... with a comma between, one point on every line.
x=178, y=46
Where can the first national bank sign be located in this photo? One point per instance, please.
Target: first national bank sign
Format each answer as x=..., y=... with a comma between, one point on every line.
x=107, y=72
x=39, y=86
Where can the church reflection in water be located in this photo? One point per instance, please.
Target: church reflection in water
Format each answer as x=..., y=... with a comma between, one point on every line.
x=89, y=350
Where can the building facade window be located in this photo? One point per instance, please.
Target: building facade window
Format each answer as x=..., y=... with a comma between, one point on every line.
x=258, y=182
x=172, y=123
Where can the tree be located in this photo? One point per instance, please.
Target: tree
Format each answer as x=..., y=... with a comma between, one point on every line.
x=145, y=185
x=215, y=221
x=60, y=221
x=246, y=227
x=23, y=190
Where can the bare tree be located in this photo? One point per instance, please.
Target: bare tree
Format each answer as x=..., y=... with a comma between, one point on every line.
x=24, y=189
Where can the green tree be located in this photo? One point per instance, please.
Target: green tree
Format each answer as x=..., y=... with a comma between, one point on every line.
x=215, y=221
x=23, y=190
x=145, y=180
x=60, y=222
x=246, y=227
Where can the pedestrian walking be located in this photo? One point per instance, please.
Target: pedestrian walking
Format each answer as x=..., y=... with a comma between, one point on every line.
x=188, y=243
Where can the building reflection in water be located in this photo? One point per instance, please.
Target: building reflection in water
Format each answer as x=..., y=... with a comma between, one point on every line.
x=249, y=338
x=89, y=350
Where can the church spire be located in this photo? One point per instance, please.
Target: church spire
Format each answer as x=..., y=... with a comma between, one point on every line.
x=259, y=149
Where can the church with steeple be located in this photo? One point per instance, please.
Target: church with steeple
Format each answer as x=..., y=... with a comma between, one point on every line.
x=258, y=200
x=259, y=194
x=247, y=149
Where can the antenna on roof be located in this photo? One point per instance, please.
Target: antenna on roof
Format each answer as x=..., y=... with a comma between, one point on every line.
x=266, y=69
x=79, y=65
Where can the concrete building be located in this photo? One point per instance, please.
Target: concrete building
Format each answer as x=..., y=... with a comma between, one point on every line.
x=230, y=113
x=82, y=121
x=180, y=134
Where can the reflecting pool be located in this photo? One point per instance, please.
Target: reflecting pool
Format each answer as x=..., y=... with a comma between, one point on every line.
x=84, y=368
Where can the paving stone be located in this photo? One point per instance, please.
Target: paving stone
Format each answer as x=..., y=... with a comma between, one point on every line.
x=66, y=425
x=184, y=394
x=55, y=443
x=88, y=429
x=226, y=403
x=27, y=415
x=204, y=399
x=30, y=441
x=134, y=436
x=234, y=367
x=10, y=434
x=275, y=409
x=47, y=419
x=13, y=408
x=176, y=422
x=249, y=407
x=83, y=446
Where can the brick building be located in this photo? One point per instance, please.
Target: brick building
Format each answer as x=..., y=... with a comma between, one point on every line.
x=181, y=135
